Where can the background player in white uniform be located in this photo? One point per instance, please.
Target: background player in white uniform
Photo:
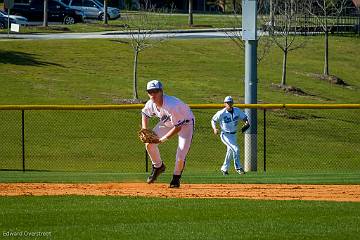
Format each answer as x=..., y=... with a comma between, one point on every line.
x=175, y=118
x=228, y=119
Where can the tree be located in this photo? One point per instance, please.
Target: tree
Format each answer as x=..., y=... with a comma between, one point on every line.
x=272, y=19
x=326, y=13
x=357, y=5
x=191, y=19
x=141, y=27
x=285, y=32
x=105, y=12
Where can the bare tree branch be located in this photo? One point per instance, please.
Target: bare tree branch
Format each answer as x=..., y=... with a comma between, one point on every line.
x=141, y=27
x=327, y=14
x=284, y=30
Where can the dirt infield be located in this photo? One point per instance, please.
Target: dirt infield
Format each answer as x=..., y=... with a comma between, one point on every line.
x=340, y=193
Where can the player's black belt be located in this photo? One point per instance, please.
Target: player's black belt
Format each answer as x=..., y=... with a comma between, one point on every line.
x=185, y=121
x=230, y=132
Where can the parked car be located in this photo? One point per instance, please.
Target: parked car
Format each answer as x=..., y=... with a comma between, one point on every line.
x=17, y=19
x=4, y=22
x=57, y=11
x=92, y=8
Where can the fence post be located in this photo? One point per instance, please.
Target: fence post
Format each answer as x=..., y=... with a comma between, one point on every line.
x=146, y=161
x=23, y=138
x=264, y=140
x=358, y=25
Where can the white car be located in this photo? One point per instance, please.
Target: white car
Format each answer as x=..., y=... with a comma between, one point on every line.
x=17, y=19
x=92, y=8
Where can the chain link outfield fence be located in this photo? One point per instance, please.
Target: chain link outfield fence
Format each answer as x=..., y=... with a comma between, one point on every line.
x=98, y=138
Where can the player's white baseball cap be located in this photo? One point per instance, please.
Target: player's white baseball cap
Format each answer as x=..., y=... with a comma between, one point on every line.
x=153, y=84
x=228, y=99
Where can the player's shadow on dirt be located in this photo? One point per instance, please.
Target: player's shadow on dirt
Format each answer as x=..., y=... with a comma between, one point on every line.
x=21, y=58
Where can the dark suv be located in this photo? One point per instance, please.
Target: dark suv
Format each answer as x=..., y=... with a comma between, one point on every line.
x=57, y=12
x=4, y=22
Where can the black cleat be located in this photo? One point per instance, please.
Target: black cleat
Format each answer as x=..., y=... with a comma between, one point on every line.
x=240, y=171
x=155, y=173
x=224, y=172
x=175, y=182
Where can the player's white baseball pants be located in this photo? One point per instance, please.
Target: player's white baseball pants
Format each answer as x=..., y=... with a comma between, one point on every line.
x=232, y=152
x=184, y=142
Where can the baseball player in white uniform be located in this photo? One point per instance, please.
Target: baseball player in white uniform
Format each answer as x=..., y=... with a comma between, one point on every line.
x=228, y=119
x=176, y=118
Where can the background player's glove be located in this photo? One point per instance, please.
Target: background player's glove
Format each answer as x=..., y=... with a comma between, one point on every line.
x=148, y=136
x=245, y=127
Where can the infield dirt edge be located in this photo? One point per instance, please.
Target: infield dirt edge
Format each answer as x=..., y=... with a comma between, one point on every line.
x=338, y=193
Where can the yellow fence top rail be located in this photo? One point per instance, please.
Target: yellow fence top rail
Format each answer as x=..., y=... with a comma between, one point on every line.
x=193, y=106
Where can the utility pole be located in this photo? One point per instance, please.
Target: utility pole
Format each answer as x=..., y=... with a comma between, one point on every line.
x=249, y=35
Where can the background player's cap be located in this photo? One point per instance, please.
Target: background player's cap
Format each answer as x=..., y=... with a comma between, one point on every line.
x=153, y=84
x=228, y=99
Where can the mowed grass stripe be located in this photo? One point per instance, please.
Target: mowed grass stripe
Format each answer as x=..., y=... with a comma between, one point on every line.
x=188, y=177
x=74, y=217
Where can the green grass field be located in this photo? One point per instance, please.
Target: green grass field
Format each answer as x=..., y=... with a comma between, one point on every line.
x=66, y=72
x=188, y=177
x=150, y=218
x=100, y=71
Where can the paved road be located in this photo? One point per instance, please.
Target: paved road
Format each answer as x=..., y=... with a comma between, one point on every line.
x=181, y=34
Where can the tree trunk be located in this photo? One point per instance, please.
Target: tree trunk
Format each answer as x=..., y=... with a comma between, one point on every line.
x=45, y=20
x=105, y=12
x=358, y=25
x=191, y=20
x=326, y=63
x=135, y=92
x=272, y=18
x=283, y=79
x=292, y=5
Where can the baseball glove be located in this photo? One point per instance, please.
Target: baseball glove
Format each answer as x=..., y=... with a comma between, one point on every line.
x=148, y=136
x=245, y=127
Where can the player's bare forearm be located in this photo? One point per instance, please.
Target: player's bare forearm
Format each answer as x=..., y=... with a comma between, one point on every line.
x=171, y=133
x=216, y=131
x=144, y=121
x=213, y=125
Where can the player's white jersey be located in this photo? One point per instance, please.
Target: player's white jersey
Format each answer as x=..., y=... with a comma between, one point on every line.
x=172, y=113
x=228, y=121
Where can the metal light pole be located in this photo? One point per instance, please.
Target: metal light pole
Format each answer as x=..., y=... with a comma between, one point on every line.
x=249, y=35
x=8, y=4
x=8, y=22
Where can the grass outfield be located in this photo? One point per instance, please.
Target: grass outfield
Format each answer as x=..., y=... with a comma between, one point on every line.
x=188, y=177
x=103, y=141
x=76, y=217
x=197, y=71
